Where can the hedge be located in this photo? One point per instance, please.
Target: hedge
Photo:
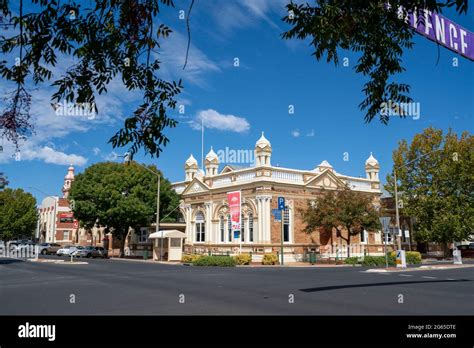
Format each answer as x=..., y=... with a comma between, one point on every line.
x=269, y=259
x=243, y=259
x=412, y=257
x=189, y=258
x=219, y=261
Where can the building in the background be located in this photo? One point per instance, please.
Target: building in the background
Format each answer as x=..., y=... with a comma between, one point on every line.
x=207, y=217
x=56, y=222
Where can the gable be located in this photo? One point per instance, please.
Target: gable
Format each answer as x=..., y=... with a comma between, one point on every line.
x=196, y=186
x=327, y=180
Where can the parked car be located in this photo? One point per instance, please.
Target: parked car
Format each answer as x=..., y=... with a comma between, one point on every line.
x=91, y=251
x=48, y=248
x=66, y=250
x=467, y=250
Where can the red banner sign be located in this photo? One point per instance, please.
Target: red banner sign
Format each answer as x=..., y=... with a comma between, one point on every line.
x=75, y=224
x=234, y=199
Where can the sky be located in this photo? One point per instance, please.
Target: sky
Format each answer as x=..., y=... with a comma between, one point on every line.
x=237, y=102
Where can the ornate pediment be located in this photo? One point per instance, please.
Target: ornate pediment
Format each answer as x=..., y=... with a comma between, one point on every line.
x=195, y=186
x=327, y=179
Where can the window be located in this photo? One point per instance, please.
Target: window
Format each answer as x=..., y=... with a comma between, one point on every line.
x=175, y=242
x=286, y=225
x=143, y=235
x=229, y=228
x=200, y=228
x=242, y=228
x=66, y=235
x=222, y=228
x=363, y=236
x=250, y=227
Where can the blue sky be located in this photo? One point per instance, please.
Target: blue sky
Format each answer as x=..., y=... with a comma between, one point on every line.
x=241, y=102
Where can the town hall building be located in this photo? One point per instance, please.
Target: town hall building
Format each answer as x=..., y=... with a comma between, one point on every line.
x=206, y=212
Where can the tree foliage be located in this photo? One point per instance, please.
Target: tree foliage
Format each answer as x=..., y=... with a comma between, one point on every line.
x=108, y=39
x=436, y=188
x=346, y=209
x=18, y=214
x=118, y=196
x=368, y=28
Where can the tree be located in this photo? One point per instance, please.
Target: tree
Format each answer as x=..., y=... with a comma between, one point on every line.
x=372, y=29
x=347, y=210
x=18, y=214
x=118, y=196
x=112, y=39
x=435, y=175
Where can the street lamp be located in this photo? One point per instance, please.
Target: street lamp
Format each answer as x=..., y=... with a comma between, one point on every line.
x=127, y=159
x=397, y=217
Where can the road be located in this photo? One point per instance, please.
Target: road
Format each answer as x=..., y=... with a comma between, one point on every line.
x=110, y=287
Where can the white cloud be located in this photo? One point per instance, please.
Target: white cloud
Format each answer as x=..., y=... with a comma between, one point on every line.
x=295, y=133
x=96, y=151
x=215, y=120
x=172, y=55
x=50, y=155
x=111, y=156
x=311, y=133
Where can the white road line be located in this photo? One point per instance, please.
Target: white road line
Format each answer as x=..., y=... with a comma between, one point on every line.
x=429, y=277
x=450, y=279
x=405, y=275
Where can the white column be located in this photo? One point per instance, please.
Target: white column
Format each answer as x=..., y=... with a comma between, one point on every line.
x=260, y=220
x=209, y=230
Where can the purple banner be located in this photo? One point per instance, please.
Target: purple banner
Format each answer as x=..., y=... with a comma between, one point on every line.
x=442, y=30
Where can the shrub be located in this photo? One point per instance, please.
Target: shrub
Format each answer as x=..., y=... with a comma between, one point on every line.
x=243, y=259
x=378, y=260
x=351, y=261
x=412, y=257
x=189, y=258
x=219, y=261
x=269, y=259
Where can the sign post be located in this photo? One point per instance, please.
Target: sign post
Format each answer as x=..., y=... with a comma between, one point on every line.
x=401, y=259
x=457, y=259
x=281, y=208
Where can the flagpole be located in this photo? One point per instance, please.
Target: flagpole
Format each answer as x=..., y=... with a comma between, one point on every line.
x=202, y=144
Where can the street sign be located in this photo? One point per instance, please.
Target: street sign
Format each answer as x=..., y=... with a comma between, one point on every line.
x=281, y=203
x=276, y=215
x=441, y=30
x=407, y=234
x=385, y=222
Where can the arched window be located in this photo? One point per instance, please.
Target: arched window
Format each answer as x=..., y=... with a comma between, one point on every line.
x=200, y=228
x=251, y=227
x=229, y=228
x=242, y=228
x=222, y=228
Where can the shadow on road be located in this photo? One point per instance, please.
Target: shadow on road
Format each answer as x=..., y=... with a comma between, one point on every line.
x=348, y=286
x=9, y=261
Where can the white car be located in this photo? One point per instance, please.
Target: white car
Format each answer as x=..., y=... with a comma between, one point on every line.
x=68, y=250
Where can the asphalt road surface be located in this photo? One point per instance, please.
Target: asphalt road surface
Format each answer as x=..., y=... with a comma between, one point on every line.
x=114, y=287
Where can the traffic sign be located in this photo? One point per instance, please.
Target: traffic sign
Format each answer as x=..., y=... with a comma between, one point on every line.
x=385, y=222
x=281, y=203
